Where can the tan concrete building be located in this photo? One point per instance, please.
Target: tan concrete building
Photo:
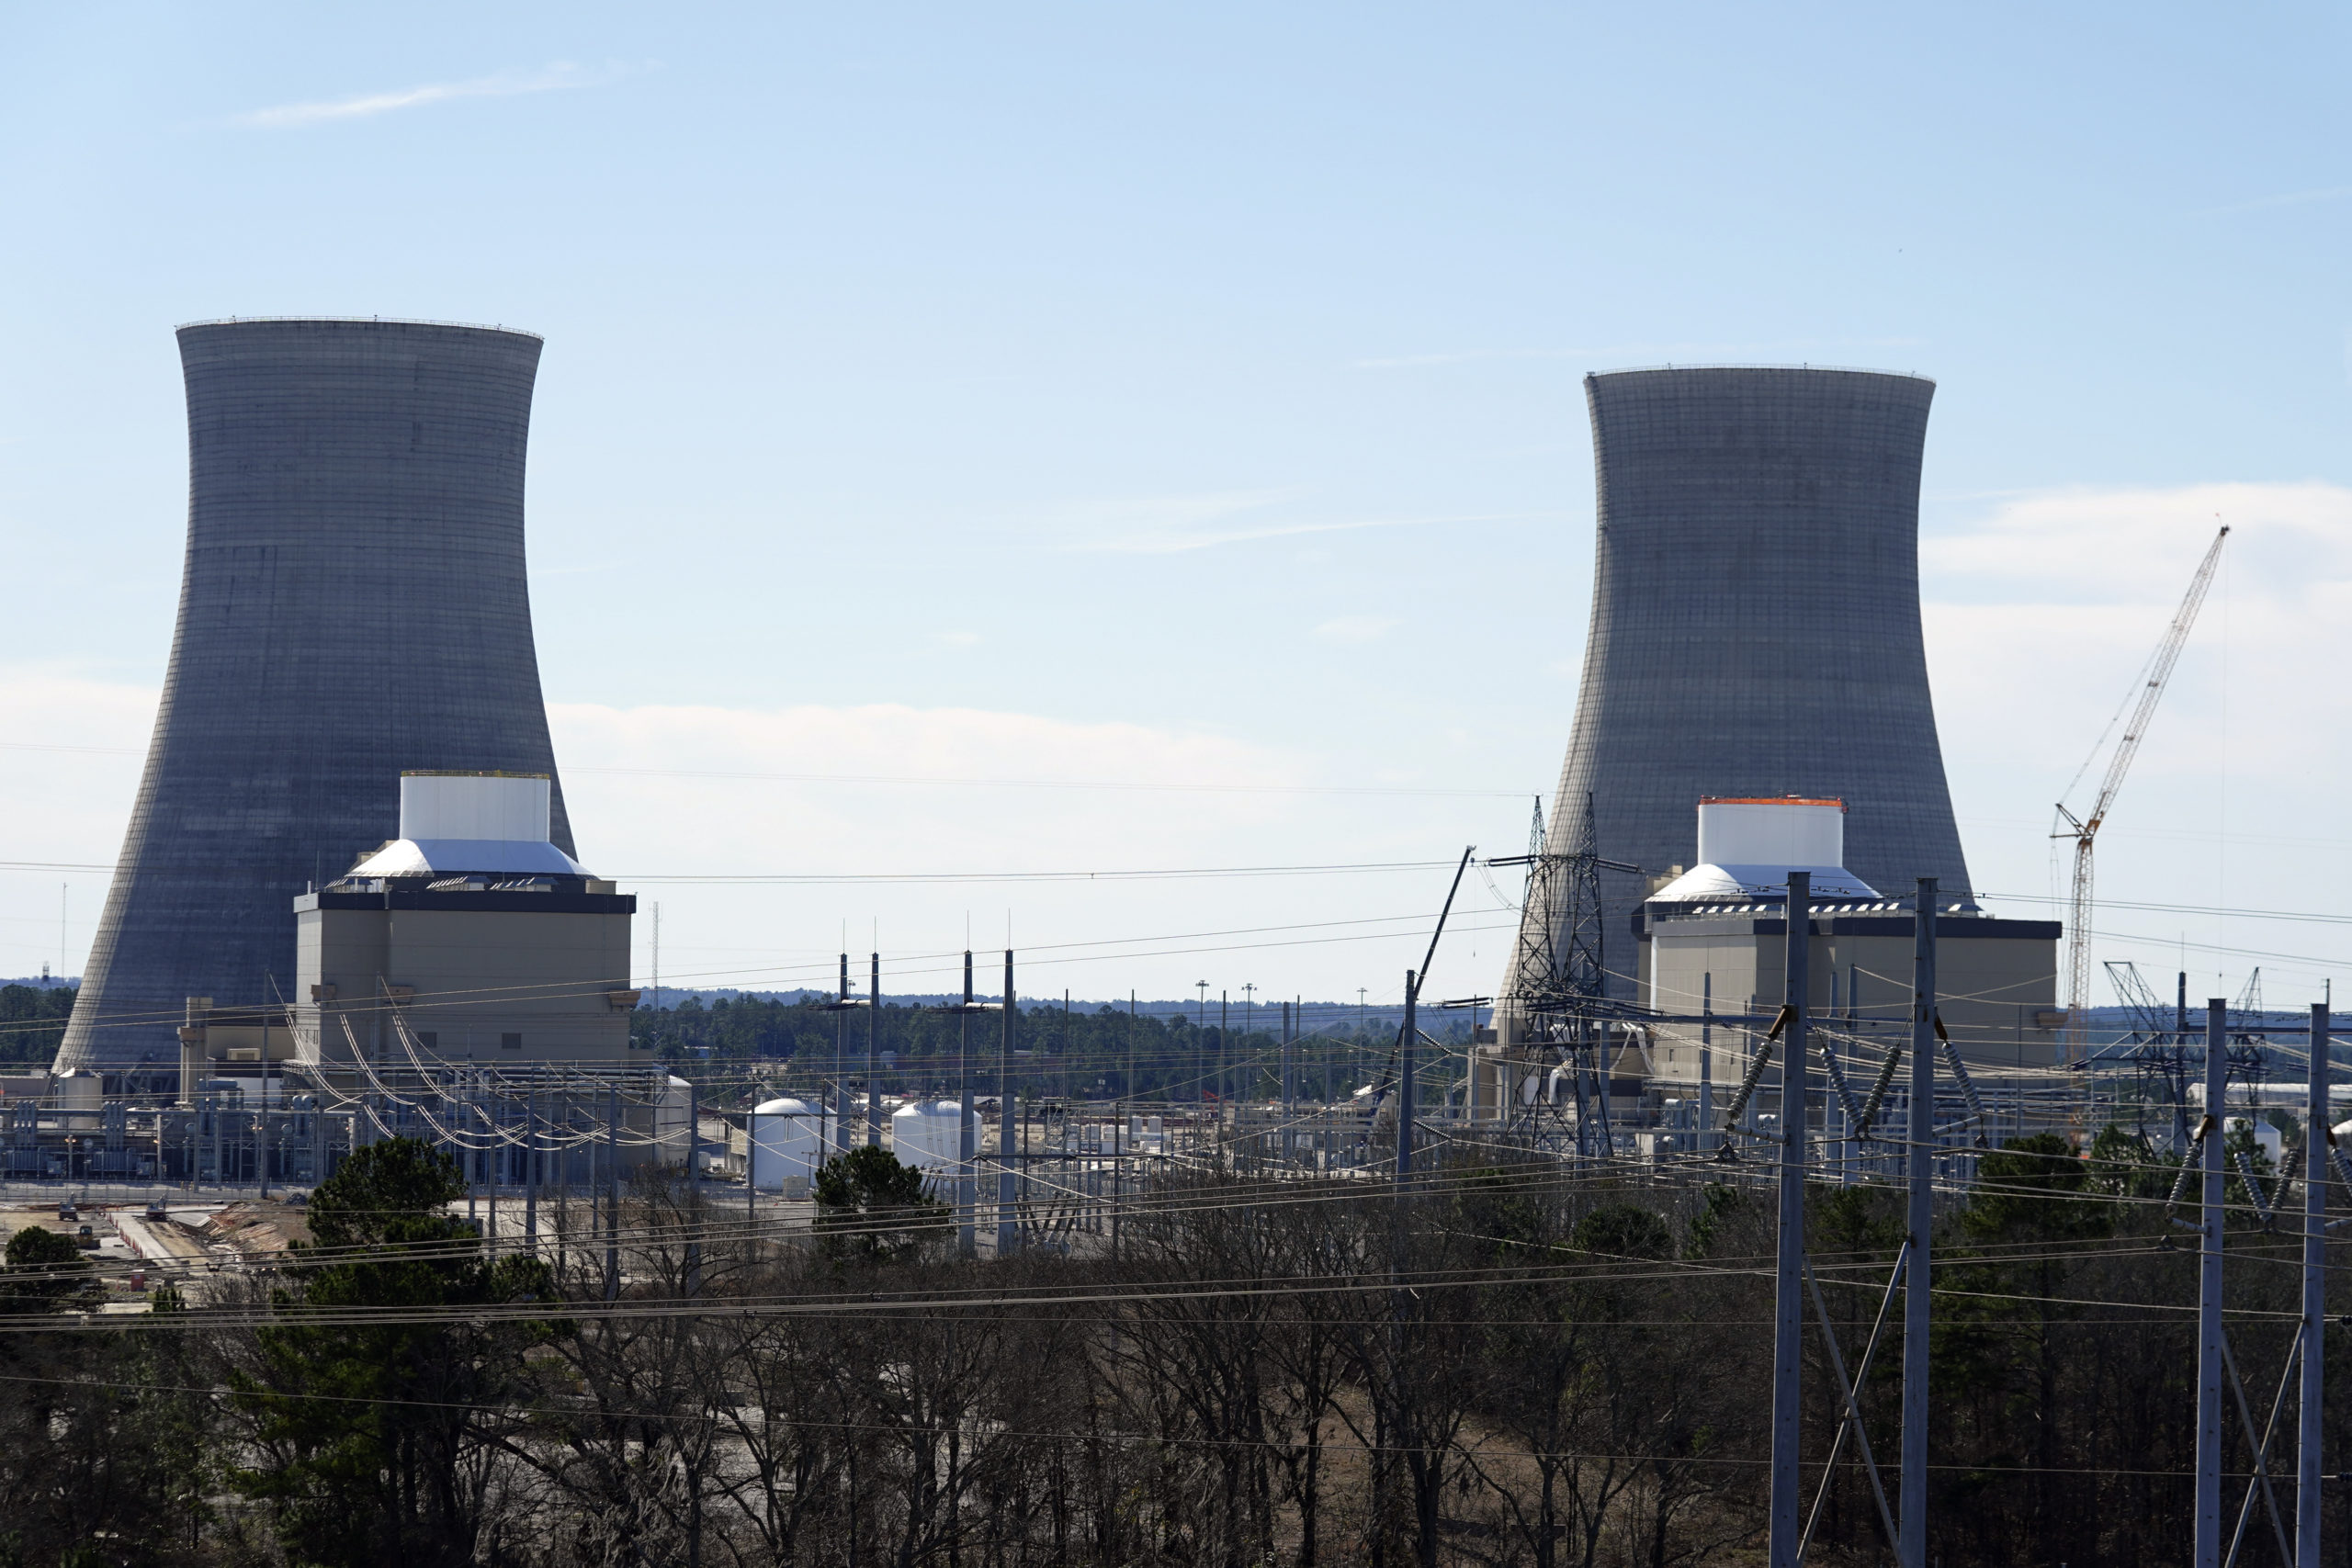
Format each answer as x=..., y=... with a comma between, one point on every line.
x=1996, y=981
x=251, y=1046
x=1714, y=940
x=470, y=940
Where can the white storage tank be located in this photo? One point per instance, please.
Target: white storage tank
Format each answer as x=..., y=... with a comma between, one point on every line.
x=2267, y=1138
x=672, y=1114
x=922, y=1134
x=78, y=1094
x=788, y=1142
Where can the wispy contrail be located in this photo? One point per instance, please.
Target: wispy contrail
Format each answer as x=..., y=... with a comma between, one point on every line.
x=504, y=84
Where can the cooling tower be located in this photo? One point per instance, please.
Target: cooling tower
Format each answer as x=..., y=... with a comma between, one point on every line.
x=352, y=605
x=1755, y=626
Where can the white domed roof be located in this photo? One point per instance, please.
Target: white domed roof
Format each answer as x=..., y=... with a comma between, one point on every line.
x=1750, y=845
x=455, y=823
x=1710, y=884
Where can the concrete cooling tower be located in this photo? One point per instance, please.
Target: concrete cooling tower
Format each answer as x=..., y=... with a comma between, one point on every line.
x=1755, y=629
x=352, y=605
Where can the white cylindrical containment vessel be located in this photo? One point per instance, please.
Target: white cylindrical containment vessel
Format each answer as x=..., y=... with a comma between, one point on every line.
x=924, y=1135
x=788, y=1142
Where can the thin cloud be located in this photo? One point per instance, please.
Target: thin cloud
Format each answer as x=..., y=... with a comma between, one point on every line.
x=1357, y=628
x=560, y=75
x=2284, y=199
x=1172, y=544
x=1416, y=361
x=2136, y=546
x=1174, y=524
x=1624, y=352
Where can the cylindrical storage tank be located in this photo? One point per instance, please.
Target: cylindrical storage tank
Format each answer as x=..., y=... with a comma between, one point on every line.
x=79, y=1096
x=788, y=1142
x=672, y=1112
x=922, y=1134
x=2267, y=1138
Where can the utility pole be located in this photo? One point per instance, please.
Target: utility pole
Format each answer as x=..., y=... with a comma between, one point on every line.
x=2179, y=1063
x=613, y=1193
x=1911, y=1494
x=2208, y=1291
x=1359, y=1044
x=1123, y=1140
x=874, y=1057
x=967, y=1131
x=1323, y=1049
x=694, y=1178
x=1788, y=1302
x=1008, y=1224
x=1412, y=1025
x=1248, y=1079
x=1249, y=1025
x=1706, y=1139
x=841, y=1007
x=2310, y=1410
x=1201, y=1039
x=530, y=1162
x=1405, y=1089
x=841, y=1062
x=1286, y=1083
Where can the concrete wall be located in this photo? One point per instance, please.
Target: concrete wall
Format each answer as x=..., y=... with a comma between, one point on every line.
x=1996, y=981
x=353, y=603
x=1755, y=624
x=467, y=978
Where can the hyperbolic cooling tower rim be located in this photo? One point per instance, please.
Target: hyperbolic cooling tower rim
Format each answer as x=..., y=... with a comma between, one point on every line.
x=361, y=320
x=1828, y=369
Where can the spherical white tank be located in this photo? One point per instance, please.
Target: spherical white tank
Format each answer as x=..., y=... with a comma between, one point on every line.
x=922, y=1134
x=787, y=1142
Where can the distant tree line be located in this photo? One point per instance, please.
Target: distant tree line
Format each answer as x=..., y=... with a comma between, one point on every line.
x=1519, y=1366
x=32, y=1021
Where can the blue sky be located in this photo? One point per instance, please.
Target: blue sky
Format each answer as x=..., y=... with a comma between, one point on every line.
x=1190, y=396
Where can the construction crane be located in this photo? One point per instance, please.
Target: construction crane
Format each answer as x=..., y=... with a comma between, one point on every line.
x=2083, y=830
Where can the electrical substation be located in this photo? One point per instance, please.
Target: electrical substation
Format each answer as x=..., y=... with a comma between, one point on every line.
x=349, y=906
x=400, y=940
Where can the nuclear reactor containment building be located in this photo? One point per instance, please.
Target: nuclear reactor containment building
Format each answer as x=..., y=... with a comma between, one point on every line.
x=1755, y=632
x=353, y=606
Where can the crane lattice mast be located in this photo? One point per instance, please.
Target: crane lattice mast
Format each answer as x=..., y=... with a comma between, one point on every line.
x=2083, y=830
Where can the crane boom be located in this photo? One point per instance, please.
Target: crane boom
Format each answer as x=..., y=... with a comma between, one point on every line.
x=2085, y=829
